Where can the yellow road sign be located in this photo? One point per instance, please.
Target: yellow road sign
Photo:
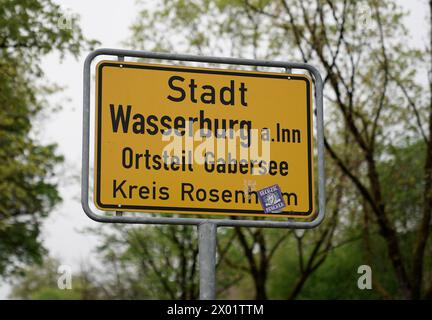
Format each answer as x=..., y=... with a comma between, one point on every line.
x=174, y=139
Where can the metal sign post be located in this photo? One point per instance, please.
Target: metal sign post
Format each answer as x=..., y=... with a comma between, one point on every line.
x=207, y=228
x=207, y=237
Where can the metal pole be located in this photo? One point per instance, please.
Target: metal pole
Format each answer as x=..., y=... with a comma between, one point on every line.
x=207, y=259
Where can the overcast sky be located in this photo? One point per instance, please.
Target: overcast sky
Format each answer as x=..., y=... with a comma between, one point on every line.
x=107, y=21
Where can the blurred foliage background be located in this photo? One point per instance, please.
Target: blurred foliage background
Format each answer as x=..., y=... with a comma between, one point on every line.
x=378, y=139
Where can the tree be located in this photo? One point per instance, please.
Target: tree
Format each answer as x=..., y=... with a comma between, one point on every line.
x=155, y=262
x=373, y=95
x=29, y=29
x=149, y=262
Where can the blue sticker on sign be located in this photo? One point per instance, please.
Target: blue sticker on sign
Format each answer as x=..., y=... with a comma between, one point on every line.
x=271, y=199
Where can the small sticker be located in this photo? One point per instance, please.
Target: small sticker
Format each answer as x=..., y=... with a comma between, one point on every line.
x=271, y=199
